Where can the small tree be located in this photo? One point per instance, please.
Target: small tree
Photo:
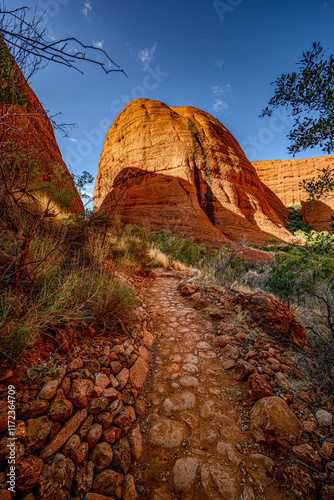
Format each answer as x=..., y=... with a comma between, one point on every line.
x=309, y=94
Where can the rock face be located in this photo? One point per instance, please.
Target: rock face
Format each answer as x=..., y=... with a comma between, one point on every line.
x=318, y=214
x=179, y=168
x=30, y=134
x=283, y=176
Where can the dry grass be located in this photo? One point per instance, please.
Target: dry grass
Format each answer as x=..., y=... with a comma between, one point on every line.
x=158, y=257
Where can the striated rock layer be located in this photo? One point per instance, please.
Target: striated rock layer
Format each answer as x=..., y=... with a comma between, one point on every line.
x=27, y=134
x=180, y=169
x=284, y=176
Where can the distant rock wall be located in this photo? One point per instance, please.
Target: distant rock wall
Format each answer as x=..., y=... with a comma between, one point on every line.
x=284, y=176
x=181, y=169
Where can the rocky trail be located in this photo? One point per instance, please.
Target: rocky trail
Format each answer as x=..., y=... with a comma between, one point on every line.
x=196, y=433
x=196, y=403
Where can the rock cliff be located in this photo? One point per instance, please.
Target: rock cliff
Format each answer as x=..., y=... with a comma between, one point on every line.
x=27, y=135
x=181, y=169
x=283, y=176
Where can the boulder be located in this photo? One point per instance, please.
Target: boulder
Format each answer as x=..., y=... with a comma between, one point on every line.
x=318, y=214
x=272, y=421
x=259, y=387
x=272, y=316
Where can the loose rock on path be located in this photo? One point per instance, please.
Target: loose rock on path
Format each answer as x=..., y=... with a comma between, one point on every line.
x=196, y=445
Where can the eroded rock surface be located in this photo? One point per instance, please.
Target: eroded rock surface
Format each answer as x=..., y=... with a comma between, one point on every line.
x=168, y=167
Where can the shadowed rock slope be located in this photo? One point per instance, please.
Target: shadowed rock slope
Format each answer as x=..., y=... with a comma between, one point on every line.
x=27, y=137
x=180, y=169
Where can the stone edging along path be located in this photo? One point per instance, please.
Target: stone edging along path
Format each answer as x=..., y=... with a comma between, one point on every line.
x=187, y=409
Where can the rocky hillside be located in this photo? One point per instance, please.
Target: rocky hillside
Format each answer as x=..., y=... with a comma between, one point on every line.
x=179, y=168
x=27, y=134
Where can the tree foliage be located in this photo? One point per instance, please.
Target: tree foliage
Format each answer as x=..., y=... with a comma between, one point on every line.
x=309, y=94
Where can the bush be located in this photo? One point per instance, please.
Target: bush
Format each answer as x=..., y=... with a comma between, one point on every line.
x=295, y=221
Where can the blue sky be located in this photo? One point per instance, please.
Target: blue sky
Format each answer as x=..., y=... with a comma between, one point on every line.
x=219, y=56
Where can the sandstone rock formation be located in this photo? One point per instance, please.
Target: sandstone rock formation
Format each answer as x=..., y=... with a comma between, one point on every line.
x=284, y=176
x=26, y=132
x=318, y=214
x=180, y=169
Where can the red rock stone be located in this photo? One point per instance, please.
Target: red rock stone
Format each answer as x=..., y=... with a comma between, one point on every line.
x=111, y=434
x=272, y=421
x=81, y=390
x=84, y=478
x=60, y=408
x=284, y=177
x=259, y=387
x=125, y=418
x=308, y=454
x=32, y=409
x=300, y=482
x=80, y=454
x=222, y=341
x=242, y=370
x=66, y=432
x=273, y=316
x=110, y=483
x=27, y=473
x=189, y=288
x=56, y=479
x=93, y=435
x=101, y=455
x=205, y=175
x=138, y=373
x=318, y=214
x=38, y=430
x=327, y=450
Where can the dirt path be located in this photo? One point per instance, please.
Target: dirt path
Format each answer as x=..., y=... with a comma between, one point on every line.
x=196, y=440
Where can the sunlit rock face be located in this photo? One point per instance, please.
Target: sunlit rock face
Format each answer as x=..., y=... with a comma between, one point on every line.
x=27, y=137
x=284, y=177
x=179, y=168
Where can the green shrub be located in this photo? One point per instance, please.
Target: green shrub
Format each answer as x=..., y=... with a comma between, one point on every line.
x=295, y=221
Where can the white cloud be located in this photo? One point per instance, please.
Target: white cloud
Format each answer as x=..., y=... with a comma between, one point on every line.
x=71, y=139
x=86, y=8
x=146, y=55
x=219, y=63
x=221, y=94
x=218, y=90
x=219, y=106
x=98, y=45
